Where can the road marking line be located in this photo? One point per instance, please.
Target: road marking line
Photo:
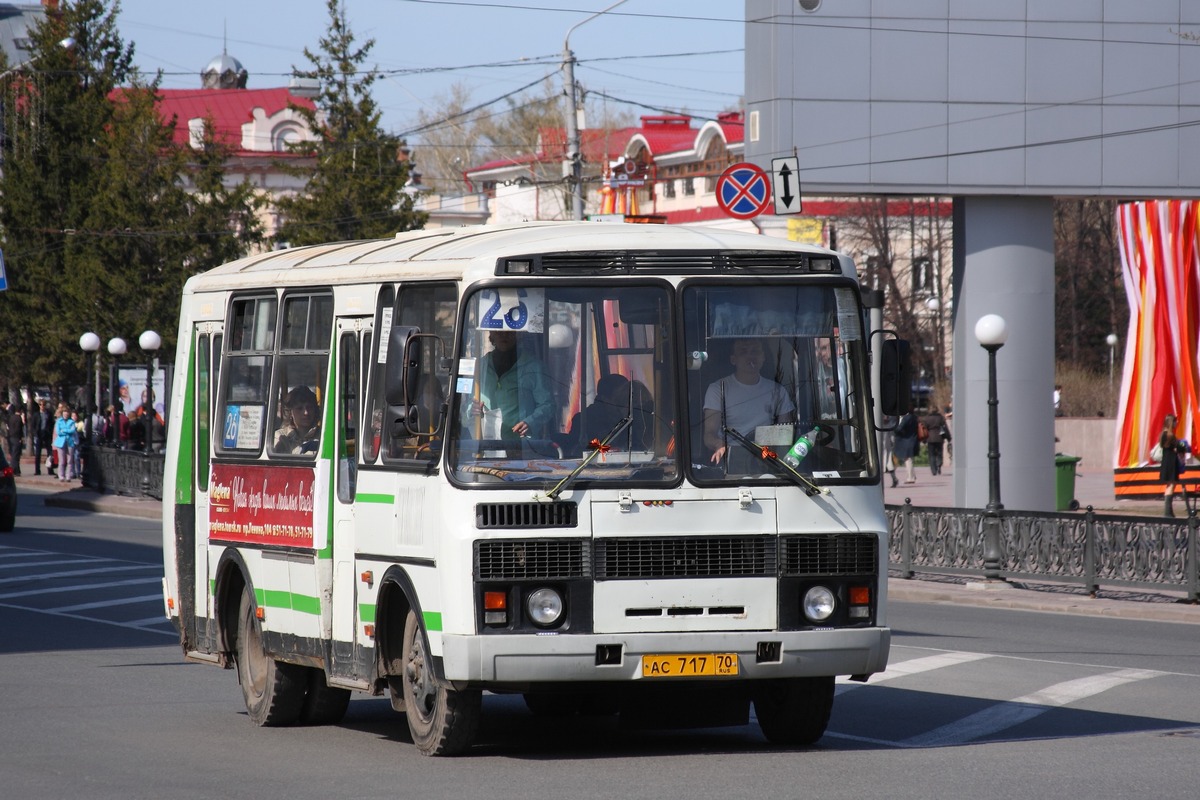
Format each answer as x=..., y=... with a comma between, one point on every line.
x=1002, y=716
x=27, y=564
x=71, y=574
x=913, y=666
x=172, y=633
x=141, y=623
x=123, y=601
x=79, y=588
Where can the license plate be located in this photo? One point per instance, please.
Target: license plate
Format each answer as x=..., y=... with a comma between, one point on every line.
x=689, y=665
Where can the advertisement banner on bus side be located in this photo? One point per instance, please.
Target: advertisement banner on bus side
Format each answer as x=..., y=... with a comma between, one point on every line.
x=261, y=505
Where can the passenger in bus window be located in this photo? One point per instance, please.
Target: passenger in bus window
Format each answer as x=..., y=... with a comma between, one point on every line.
x=516, y=384
x=301, y=429
x=600, y=416
x=743, y=401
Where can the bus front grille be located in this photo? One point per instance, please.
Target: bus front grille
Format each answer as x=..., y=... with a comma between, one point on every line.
x=532, y=559
x=686, y=557
x=830, y=555
x=526, y=515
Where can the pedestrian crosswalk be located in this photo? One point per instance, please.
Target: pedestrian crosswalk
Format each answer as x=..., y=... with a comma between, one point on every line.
x=96, y=589
x=998, y=717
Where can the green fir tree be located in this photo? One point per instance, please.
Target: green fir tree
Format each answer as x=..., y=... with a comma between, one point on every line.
x=356, y=187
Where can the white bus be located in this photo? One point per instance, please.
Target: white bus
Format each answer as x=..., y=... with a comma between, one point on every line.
x=544, y=459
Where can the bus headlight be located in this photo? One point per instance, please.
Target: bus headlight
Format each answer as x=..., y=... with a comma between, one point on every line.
x=545, y=606
x=819, y=604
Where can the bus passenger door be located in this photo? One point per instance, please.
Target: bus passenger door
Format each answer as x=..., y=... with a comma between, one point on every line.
x=353, y=341
x=196, y=613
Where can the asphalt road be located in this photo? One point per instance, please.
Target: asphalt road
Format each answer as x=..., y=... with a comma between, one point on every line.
x=980, y=700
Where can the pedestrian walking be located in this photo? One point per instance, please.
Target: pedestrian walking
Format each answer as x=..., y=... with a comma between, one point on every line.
x=905, y=444
x=935, y=423
x=65, y=438
x=43, y=436
x=1170, y=462
x=16, y=436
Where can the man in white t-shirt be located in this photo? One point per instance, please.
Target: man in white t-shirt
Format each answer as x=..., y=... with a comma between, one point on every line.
x=743, y=401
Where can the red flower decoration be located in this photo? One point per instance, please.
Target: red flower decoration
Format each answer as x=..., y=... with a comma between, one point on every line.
x=596, y=444
x=768, y=453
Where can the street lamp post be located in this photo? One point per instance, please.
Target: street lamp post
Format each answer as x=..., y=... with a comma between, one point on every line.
x=1111, y=340
x=574, y=147
x=992, y=331
x=90, y=344
x=116, y=349
x=149, y=341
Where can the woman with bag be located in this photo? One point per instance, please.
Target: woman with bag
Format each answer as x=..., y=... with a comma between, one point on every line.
x=1170, y=462
x=65, y=439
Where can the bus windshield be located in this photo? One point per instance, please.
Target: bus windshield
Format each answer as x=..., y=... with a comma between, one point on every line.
x=768, y=364
x=550, y=377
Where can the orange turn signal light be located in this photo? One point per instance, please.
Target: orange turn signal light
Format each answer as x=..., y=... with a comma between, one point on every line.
x=495, y=601
x=860, y=595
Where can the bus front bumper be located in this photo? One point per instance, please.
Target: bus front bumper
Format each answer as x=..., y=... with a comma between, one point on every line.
x=524, y=659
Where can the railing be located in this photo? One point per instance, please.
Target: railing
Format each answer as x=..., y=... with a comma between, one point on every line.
x=1087, y=549
x=127, y=472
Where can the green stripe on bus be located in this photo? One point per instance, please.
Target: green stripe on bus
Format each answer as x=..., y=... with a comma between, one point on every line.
x=184, y=476
x=274, y=598
x=433, y=620
x=384, y=499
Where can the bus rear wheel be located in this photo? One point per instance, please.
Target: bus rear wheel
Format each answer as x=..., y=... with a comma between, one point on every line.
x=794, y=712
x=442, y=721
x=273, y=690
x=324, y=704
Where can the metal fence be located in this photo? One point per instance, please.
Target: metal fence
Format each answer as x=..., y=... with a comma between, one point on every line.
x=127, y=472
x=1087, y=549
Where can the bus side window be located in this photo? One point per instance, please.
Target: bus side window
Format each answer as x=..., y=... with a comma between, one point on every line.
x=247, y=374
x=301, y=373
x=347, y=437
x=431, y=308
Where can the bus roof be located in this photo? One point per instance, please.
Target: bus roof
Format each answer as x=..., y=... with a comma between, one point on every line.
x=442, y=248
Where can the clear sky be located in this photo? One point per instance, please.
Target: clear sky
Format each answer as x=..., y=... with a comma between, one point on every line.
x=653, y=56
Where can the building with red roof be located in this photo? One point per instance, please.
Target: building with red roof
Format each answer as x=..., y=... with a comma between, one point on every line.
x=258, y=125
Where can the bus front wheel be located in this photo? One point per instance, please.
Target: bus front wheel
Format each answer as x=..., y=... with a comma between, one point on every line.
x=794, y=712
x=442, y=721
x=274, y=690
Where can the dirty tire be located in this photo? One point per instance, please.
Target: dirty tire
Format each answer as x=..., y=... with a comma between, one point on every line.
x=274, y=691
x=442, y=721
x=795, y=711
x=324, y=704
x=8, y=521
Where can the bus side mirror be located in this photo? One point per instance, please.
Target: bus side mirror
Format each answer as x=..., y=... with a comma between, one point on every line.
x=895, y=378
x=401, y=370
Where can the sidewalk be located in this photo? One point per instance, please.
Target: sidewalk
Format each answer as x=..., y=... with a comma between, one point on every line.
x=1093, y=489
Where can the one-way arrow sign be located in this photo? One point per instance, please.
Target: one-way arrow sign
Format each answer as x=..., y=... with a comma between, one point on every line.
x=785, y=178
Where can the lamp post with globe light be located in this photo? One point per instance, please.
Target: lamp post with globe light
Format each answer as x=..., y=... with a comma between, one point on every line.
x=90, y=344
x=116, y=349
x=1111, y=341
x=149, y=341
x=992, y=331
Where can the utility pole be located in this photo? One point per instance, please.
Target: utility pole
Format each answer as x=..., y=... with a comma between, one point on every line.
x=573, y=165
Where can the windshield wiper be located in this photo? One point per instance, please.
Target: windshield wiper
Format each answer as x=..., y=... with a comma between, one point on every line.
x=769, y=455
x=598, y=446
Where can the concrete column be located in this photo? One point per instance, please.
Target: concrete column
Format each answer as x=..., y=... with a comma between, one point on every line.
x=1004, y=264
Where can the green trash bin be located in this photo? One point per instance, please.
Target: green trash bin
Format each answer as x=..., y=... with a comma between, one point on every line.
x=1064, y=482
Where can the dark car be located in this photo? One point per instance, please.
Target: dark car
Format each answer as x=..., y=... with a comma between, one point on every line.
x=8, y=496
